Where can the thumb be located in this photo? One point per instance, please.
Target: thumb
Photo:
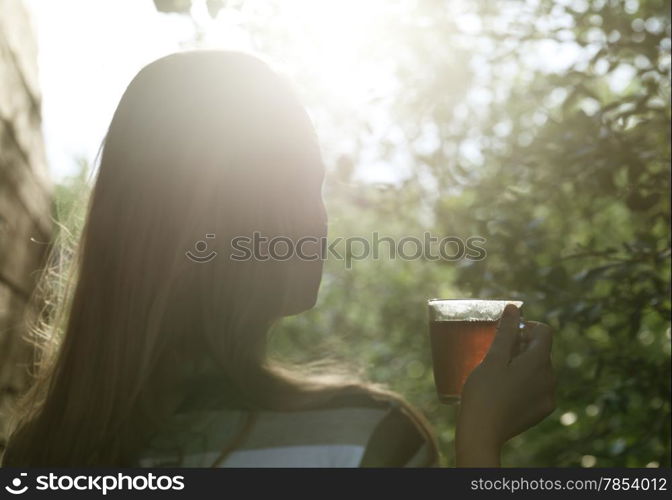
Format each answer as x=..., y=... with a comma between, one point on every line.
x=504, y=343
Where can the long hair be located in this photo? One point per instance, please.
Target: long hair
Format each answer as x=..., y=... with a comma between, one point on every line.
x=202, y=143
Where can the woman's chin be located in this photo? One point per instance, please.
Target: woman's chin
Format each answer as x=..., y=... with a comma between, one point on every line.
x=300, y=305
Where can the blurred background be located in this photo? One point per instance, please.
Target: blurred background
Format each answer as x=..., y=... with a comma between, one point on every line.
x=542, y=126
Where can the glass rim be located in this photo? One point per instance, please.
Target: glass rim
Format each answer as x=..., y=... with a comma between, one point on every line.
x=474, y=300
x=468, y=309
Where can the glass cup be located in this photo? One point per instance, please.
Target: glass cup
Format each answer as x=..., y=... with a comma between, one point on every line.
x=461, y=332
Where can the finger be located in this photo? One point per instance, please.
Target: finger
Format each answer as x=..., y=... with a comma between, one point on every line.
x=541, y=336
x=525, y=331
x=506, y=338
x=523, y=337
x=540, y=343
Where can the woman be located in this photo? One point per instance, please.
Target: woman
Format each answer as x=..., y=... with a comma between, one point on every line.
x=161, y=359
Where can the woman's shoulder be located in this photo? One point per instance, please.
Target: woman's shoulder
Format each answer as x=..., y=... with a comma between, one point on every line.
x=400, y=438
x=349, y=430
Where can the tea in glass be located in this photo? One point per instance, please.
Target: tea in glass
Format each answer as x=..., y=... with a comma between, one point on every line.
x=461, y=332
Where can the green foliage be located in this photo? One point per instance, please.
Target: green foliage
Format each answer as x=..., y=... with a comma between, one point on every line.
x=570, y=186
x=562, y=167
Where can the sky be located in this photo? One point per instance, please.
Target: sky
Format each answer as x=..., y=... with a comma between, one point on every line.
x=88, y=52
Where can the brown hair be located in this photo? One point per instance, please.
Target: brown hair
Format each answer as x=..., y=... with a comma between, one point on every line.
x=201, y=142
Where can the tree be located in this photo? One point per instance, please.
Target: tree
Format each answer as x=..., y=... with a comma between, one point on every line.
x=543, y=127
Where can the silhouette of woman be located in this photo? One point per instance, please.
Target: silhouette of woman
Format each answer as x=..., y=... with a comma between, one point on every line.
x=160, y=358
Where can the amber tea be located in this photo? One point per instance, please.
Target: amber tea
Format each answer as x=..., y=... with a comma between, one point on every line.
x=461, y=332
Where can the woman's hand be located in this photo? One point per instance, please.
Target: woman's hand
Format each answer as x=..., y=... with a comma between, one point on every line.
x=512, y=390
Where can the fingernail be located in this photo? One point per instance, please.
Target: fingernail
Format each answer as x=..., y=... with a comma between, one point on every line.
x=510, y=309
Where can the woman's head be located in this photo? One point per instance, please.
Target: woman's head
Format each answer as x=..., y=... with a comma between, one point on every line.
x=216, y=143
x=204, y=146
x=202, y=143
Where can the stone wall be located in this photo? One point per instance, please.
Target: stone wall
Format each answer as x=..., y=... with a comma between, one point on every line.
x=25, y=197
